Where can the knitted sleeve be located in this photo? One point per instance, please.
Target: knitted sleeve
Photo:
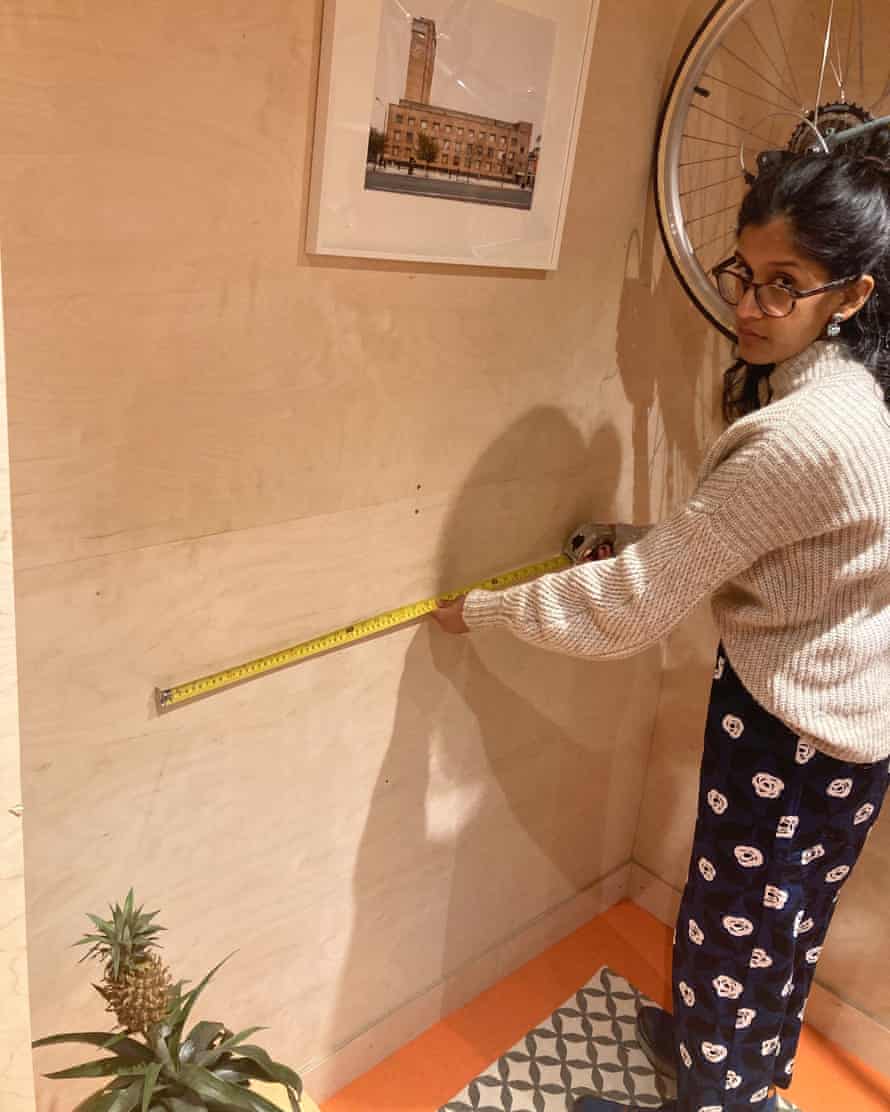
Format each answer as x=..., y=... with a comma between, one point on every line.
x=751, y=501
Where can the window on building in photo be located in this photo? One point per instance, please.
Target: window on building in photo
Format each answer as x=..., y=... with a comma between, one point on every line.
x=447, y=145
x=491, y=137
x=456, y=161
x=411, y=121
x=472, y=134
x=448, y=129
x=410, y=136
x=522, y=150
x=435, y=127
x=400, y=119
x=460, y=131
x=423, y=125
x=513, y=141
x=490, y=152
x=457, y=147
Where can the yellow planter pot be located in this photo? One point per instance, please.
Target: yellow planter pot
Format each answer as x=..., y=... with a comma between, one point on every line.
x=278, y=1096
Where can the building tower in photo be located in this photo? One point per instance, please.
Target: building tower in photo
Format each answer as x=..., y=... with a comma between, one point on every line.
x=421, y=61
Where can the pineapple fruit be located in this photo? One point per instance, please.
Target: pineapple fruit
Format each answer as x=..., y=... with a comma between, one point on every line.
x=136, y=985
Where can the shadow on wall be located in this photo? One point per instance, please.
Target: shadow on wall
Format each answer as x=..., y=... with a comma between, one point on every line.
x=501, y=792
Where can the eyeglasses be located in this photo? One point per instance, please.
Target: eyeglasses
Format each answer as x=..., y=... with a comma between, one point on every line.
x=773, y=299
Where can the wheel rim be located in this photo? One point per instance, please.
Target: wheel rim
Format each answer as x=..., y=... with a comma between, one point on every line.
x=718, y=116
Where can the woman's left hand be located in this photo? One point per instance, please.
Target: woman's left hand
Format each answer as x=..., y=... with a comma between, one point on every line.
x=450, y=616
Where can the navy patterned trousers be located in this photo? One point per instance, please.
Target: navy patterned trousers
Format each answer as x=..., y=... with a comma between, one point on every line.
x=780, y=827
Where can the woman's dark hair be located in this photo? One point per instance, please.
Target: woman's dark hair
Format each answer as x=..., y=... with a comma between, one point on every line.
x=838, y=210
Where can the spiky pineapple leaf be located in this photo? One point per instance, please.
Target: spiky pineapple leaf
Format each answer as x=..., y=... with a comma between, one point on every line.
x=121, y=1044
x=201, y=1036
x=148, y=1087
x=256, y=1073
x=222, y=1093
x=274, y=1071
x=208, y=1057
x=121, y=1100
x=177, y=1104
x=162, y=1052
x=183, y=1006
x=101, y=1067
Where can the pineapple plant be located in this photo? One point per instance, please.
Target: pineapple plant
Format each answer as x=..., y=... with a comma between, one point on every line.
x=136, y=985
x=157, y=1063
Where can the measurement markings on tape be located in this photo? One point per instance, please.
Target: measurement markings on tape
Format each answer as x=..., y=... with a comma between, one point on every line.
x=167, y=698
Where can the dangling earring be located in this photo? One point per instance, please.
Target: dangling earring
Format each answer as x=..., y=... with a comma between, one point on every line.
x=834, y=329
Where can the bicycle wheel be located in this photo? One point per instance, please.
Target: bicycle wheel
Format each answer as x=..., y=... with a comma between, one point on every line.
x=758, y=77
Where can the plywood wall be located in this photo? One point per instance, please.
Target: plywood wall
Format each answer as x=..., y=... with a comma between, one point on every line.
x=220, y=445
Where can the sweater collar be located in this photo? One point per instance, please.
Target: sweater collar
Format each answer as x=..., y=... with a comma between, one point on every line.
x=821, y=360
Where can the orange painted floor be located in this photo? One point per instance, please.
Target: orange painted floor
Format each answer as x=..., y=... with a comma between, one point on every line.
x=427, y=1072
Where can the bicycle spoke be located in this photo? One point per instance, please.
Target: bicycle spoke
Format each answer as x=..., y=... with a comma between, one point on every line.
x=862, y=49
x=715, y=142
x=747, y=92
x=702, y=161
x=785, y=52
x=850, y=40
x=763, y=77
x=724, y=235
x=723, y=120
x=825, y=52
x=718, y=212
x=737, y=178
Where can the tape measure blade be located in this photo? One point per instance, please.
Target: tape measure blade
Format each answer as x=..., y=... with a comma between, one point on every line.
x=365, y=630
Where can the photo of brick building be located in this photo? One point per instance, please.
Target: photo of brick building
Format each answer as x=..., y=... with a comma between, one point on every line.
x=447, y=152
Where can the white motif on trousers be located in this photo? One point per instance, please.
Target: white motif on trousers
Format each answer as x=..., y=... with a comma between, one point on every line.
x=733, y=725
x=737, y=926
x=745, y=1017
x=767, y=786
x=775, y=897
x=812, y=853
x=864, y=813
x=714, y=1052
x=805, y=752
x=728, y=988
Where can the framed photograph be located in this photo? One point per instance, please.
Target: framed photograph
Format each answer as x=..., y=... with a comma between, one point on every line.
x=446, y=129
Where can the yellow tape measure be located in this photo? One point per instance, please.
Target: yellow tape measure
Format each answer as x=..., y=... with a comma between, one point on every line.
x=170, y=697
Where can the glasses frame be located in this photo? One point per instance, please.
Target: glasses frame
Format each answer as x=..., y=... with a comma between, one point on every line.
x=795, y=293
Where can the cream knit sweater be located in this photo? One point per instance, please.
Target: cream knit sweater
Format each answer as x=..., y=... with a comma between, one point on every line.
x=788, y=532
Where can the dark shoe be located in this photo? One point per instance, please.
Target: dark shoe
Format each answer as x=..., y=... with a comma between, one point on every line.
x=655, y=1032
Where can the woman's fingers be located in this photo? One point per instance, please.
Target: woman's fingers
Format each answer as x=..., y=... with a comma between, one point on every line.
x=449, y=615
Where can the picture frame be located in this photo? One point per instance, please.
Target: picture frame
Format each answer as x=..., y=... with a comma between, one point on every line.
x=490, y=93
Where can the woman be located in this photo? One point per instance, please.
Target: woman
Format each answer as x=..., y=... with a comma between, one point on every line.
x=788, y=532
